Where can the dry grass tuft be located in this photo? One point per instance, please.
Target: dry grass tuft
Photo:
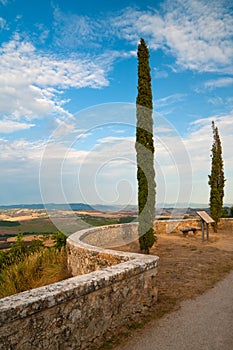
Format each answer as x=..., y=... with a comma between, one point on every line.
x=37, y=270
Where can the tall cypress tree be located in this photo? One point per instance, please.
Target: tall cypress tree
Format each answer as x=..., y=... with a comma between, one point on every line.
x=145, y=152
x=216, y=178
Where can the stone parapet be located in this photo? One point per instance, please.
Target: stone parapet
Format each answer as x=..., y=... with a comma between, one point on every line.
x=109, y=290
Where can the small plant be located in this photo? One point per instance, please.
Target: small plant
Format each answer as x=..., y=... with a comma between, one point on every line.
x=60, y=240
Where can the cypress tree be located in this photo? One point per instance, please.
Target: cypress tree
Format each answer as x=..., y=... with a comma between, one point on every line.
x=145, y=152
x=216, y=178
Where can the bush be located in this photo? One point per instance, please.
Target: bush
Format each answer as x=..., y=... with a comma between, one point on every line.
x=126, y=219
x=231, y=212
x=225, y=213
x=60, y=240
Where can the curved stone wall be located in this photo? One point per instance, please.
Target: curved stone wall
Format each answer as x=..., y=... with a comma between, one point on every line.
x=109, y=289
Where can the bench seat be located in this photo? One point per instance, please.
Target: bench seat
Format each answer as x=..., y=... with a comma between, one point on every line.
x=186, y=230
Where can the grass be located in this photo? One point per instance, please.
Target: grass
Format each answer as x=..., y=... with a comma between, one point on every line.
x=34, y=226
x=37, y=270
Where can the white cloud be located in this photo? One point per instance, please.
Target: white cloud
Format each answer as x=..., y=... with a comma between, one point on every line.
x=19, y=176
x=160, y=74
x=218, y=83
x=169, y=100
x=29, y=79
x=107, y=172
x=20, y=150
x=223, y=102
x=8, y=126
x=196, y=33
x=113, y=140
x=4, y=2
x=198, y=144
x=216, y=100
x=74, y=31
x=3, y=24
x=46, y=70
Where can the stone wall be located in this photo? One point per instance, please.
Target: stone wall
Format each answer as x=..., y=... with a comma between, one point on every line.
x=109, y=289
x=114, y=288
x=226, y=224
x=174, y=225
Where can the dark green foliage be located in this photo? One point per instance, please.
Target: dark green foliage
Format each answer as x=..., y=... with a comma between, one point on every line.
x=216, y=178
x=60, y=240
x=98, y=220
x=126, y=219
x=18, y=248
x=225, y=213
x=9, y=223
x=145, y=151
x=231, y=212
x=102, y=221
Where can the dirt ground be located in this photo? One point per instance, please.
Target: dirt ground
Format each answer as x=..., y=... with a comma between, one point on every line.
x=187, y=267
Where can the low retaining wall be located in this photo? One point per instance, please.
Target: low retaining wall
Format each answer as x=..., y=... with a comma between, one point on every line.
x=113, y=289
x=174, y=225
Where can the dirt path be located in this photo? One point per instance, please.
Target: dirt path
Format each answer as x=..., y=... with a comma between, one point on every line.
x=189, y=268
x=204, y=323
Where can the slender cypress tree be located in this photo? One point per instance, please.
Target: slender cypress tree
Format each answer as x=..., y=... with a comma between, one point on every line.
x=145, y=152
x=216, y=178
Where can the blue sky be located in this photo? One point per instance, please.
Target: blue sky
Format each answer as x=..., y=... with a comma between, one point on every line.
x=68, y=85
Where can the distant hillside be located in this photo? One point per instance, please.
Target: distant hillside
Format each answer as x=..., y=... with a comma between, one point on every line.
x=104, y=208
x=182, y=205
x=127, y=208
x=71, y=206
x=49, y=206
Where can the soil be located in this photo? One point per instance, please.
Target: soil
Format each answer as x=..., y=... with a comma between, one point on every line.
x=187, y=268
x=187, y=265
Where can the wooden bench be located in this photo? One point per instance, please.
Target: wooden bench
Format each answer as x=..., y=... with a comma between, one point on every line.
x=186, y=230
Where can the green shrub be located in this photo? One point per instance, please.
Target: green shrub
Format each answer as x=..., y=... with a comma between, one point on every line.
x=60, y=239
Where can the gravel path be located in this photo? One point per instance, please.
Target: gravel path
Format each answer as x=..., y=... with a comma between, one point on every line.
x=203, y=323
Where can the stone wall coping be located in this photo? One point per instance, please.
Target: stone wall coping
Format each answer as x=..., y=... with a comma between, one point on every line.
x=178, y=219
x=30, y=302
x=76, y=239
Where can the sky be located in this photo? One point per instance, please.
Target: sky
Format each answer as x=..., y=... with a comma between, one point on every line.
x=68, y=86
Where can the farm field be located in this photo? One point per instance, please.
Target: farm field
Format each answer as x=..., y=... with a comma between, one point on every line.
x=32, y=223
